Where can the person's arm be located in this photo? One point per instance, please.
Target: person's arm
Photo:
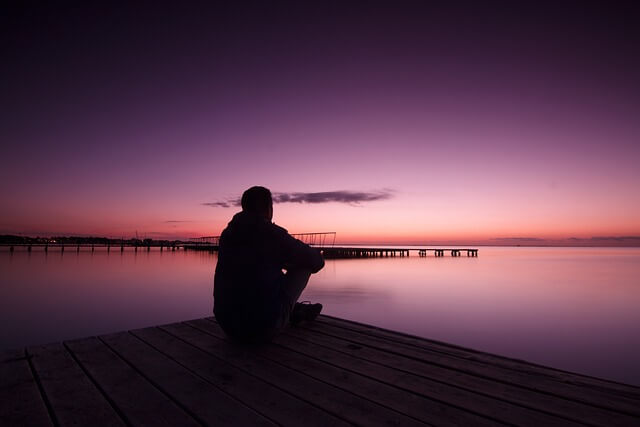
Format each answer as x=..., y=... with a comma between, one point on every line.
x=299, y=254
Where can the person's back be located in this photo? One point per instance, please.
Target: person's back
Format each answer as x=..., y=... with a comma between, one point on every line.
x=253, y=298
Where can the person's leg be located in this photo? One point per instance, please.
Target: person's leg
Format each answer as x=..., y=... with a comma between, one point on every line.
x=294, y=283
x=291, y=288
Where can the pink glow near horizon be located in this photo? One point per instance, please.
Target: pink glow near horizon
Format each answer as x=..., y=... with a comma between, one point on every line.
x=471, y=148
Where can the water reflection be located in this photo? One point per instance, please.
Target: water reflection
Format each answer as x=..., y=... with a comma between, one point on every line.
x=572, y=308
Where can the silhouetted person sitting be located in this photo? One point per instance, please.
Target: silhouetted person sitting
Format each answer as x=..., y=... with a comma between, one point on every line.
x=253, y=297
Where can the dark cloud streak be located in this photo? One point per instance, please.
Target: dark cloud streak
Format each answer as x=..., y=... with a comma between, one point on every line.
x=349, y=197
x=604, y=238
x=353, y=198
x=222, y=204
x=522, y=239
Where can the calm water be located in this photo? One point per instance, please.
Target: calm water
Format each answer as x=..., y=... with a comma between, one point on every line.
x=571, y=308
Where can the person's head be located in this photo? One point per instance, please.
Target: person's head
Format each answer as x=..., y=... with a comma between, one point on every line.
x=258, y=200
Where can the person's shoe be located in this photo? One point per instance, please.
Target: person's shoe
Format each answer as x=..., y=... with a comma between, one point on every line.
x=304, y=311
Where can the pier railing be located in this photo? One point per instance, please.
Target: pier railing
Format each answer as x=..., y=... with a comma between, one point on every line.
x=320, y=240
x=325, y=239
x=206, y=240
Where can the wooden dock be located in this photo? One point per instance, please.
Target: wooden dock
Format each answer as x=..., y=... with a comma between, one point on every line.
x=77, y=247
x=325, y=241
x=374, y=252
x=341, y=252
x=330, y=372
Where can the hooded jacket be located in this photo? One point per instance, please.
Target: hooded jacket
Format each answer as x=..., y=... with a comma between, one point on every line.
x=252, y=255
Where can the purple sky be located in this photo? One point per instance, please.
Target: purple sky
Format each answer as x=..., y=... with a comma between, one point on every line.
x=479, y=122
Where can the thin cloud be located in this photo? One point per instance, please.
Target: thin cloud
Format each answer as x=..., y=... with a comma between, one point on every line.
x=603, y=238
x=520, y=239
x=175, y=221
x=343, y=196
x=221, y=204
x=349, y=197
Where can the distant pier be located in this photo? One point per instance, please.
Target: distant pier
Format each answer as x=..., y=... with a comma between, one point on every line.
x=324, y=241
x=77, y=247
x=361, y=252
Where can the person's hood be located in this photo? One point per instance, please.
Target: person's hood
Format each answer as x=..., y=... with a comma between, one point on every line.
x=243, y=218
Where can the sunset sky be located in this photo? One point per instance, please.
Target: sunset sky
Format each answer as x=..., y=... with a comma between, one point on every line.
x=501, y=124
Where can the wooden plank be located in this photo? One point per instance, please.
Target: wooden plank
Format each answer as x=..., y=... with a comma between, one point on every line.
x=202, y=400
x=340, y=403
x=20, y=399
x=570, y=410
x=74, y=399
x=266, y=399
x=136, y=399
x=329, y=372
x=611, y=387
x=587, y=395
x=414, y=405
x=496, y=409
x=387, y=394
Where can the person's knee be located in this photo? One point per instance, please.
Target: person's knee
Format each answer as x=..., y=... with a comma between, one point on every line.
x=299, y=272
x=298, y=278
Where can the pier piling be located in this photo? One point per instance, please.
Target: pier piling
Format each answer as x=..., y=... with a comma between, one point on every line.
x=359, y=252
